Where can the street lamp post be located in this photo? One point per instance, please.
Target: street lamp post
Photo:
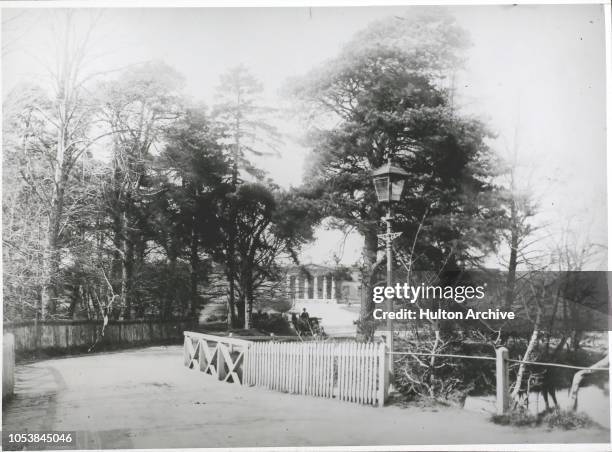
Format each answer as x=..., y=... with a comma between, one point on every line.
x=389, y=184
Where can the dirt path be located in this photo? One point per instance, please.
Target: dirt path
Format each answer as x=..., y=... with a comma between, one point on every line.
x=147, y=399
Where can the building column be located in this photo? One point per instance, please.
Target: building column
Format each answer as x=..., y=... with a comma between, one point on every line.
x=333, y=289
x=315, y=294
x=306, y=288
x=325, y=288
x=297, y=287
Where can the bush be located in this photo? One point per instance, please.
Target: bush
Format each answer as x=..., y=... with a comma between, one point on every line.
x=556, y=418
x=275, y=301
x=516, y=418
x=272, y=323
x=566, y=419
x=443, y=379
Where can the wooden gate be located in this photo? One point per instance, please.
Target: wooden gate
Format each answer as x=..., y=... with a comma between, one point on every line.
x=218, y=356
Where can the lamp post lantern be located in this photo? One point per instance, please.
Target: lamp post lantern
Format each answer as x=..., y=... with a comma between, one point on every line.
x=389, y=185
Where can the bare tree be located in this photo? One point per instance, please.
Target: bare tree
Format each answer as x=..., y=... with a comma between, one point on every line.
x=55, y=128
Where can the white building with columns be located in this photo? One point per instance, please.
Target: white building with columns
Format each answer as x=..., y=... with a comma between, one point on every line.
x=321, y=284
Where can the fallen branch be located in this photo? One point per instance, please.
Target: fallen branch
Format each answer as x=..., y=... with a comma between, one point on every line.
x=578, y=376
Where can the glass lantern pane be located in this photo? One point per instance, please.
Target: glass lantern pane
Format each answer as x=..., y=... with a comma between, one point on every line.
x=397, y=186
x=381, y=184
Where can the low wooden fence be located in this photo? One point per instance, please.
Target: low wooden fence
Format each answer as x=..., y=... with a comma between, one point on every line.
x=347, y=371
x=66, y=335
x=8, y=365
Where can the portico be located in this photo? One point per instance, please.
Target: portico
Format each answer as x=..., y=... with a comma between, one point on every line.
x=312, y=283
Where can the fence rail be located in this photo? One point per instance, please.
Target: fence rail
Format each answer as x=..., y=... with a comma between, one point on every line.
x=565, y=366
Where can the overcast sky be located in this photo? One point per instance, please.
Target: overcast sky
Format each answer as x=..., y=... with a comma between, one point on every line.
x=534, y=74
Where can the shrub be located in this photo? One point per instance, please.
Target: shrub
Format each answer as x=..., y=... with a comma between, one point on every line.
x=556, y=418
x=517, y=418
x=443, y=379
x=278, y=302
x=566, y=419
x=272, y=323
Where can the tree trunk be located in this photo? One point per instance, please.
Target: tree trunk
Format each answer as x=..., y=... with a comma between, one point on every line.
x=50, y=265
x=231, y=272
x=194, y=265
x=512, y=264
x=532, y=343
x=241, y=303
x=232, y=319
x=365, y=329
x=249, y=299
x=50, y=254
x=432, y=363
x=127, y=264
x=47, y=289
x=170, y=300
x=194, y=258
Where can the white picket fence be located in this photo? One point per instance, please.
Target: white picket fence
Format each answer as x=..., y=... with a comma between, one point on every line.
x=348, y=371
x=345, y=371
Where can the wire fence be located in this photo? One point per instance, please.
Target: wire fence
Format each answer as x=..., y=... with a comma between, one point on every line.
x=567, y=366
x=492, y=358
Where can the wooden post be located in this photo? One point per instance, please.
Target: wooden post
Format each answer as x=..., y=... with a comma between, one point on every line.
x=187, y=351
x=221, y=373
x=383, y=374
x=501, y=373
x=8, y=365
x=202, y=356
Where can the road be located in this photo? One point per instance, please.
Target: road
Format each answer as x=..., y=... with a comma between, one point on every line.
x=146, y=399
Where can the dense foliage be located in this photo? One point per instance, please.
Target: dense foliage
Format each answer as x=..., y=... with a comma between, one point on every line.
x=381, y=98
x=138, y=205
